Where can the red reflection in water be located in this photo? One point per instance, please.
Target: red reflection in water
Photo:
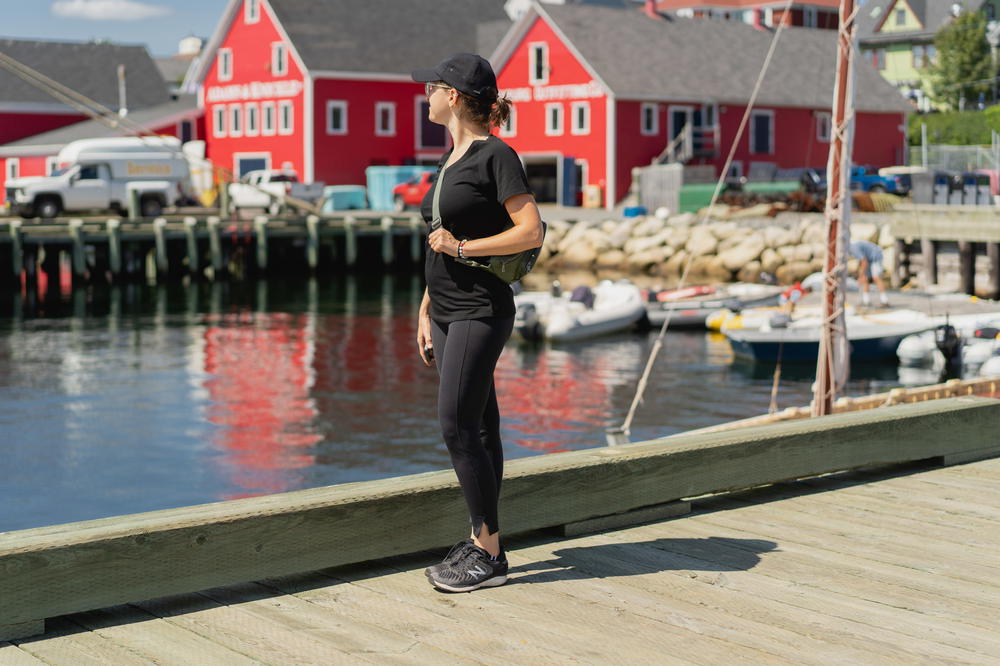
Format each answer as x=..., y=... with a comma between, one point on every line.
x=260, y=376
x=557, y=394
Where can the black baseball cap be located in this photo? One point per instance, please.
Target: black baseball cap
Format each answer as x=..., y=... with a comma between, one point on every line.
x=465, y=72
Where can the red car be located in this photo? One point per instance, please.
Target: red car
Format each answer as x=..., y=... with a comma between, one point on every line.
x=411, y=193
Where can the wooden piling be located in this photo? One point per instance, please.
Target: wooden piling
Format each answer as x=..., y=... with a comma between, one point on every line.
x=993, y=286
x=901, y=270
x=215, y=246
x=351, y=240
x=134, y=208
x=312, y=242
x=967, y=266
x=260, y=231
x=415, y=240
x=79, y=255
x=16, y=248
x=928, y=250
x=388, y=250
x=115, y=247
x=191, y=234
x=159, y=234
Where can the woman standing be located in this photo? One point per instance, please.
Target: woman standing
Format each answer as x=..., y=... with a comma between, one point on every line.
x=467, y=313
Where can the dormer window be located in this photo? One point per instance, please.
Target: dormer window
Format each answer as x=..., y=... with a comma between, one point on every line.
x=538, y=63
x=225, y=64
x=251, y=11
x=279, y=59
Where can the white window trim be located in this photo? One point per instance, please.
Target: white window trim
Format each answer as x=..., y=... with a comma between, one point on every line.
x=333, y=104
x=224, y=74
x=768, y=18
x=248, y=16
x=512, y=119
x=585, y=128
x=391, y=107
x=752, y=134
x=12, y=169
x=820, y=115
x=283, y=104
x=247, y=130
x=279, y=66
x=532, y=64
x=236, y=112
x=264, y=129
x=252, y=155
x=51, y=162
x=655, y=129
x=219, y=129
x=549, y=129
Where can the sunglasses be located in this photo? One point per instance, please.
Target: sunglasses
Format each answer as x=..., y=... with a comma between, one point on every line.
x=429, y=88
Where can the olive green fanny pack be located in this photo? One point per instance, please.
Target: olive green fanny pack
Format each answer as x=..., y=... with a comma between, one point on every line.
x=507, y=267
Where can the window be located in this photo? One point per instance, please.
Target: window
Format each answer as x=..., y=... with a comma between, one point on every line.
x=553, y=119
x=879, y=58
x=509, y=128
x=538, y=63
x=225, y=64
x=648, y=117
x=823, y=127
x=900, y=17
x=51, y=165
x=809, y=17
x=286, y=120
x=13, y=169
x=430, y=136
x=336, y=117
x=251, y=11
x=930, y=54
x=707, y=116
x=218, y=121
x=185, y=131
x=267, y=110
x=762, y=132
x=990, y=11
x=580, y=113
x=279, y=59
x=918, y=56
x=253, y=119
x=769, y=17
x=235, y=120
x=385, y=119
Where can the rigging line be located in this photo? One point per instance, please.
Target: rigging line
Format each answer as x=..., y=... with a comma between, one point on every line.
x=658, y=343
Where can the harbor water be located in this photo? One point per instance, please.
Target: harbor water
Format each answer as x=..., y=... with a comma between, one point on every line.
x=118, y=400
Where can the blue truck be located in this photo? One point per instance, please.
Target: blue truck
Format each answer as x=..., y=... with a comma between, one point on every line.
x=863, y=178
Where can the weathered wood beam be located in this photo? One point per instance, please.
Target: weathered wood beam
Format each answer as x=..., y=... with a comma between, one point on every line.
x=50, y=571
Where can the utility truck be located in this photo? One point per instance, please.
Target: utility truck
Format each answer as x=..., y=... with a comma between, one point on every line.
x=272, y=189
x=105, y=174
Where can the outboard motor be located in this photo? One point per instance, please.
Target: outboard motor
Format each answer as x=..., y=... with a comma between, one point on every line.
x=949, y=343
x=556, y=290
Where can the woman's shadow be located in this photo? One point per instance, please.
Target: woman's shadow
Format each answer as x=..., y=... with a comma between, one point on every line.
x=712, y=554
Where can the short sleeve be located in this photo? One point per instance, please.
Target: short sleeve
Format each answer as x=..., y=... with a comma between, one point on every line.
x=508, y=174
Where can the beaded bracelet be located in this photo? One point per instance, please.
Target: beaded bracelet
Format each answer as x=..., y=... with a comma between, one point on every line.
x=461, y=249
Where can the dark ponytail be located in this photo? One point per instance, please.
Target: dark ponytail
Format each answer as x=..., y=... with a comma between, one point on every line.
x=481, y=112
x=500, y=112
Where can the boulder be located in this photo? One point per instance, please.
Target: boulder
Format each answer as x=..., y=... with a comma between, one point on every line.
x=702, y=242
x=864, y=231
x=818, y=264
x=770, y=260
x=749, y=272
x=793, y=272
x=885, y=237
x=758, y=210
x=786, y=252
x=778, y=236
x=578, y=255
x=673, y=266
x=684, y=219
x=597, y=239
x=718, y=212
x=662, y=213
x=677, y=236
x=610, y=259
x=741, y=255
x=802, y=253
x=709, y=268
x=723, y=230
x=814, y=233
x=648, y=227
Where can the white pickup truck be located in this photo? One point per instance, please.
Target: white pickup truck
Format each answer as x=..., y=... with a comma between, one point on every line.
x=269, y=189
x=101, y=174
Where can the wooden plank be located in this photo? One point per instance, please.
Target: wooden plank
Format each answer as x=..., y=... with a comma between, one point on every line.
x=62, y=569
x=736, y=576
x=11, y=655
x=245, y=632
x=975, y=225
x=68, y=643
x=155, y=638
x=619, y=520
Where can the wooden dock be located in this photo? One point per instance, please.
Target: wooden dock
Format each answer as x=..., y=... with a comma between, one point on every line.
x=878, y=567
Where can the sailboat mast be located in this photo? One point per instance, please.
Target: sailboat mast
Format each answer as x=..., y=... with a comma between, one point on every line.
x=836, y=211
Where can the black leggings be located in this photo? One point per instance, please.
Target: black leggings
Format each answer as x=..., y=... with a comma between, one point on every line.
x=466, y=353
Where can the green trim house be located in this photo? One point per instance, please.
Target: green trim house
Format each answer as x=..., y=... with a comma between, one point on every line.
x=897, y=37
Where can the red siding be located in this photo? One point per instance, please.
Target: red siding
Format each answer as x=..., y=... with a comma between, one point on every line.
x=530, y=139
x=251, y=62
x=14, y=126
x=29, y=166
x=879, y=139
x=634, y=148
x=343, y=158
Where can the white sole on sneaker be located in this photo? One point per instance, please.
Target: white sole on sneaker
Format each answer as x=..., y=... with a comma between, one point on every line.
x=492, y=582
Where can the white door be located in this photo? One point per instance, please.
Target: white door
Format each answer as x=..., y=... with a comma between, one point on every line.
x=89, y=188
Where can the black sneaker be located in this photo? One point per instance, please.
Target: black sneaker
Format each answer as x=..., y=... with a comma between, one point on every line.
x=454, y=555
x=472, y=571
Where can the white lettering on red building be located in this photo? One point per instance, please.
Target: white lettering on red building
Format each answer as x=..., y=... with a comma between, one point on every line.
x=546, y=93
x=254, y=90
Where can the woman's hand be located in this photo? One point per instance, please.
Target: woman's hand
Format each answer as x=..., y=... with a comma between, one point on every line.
x=425, y=345
x=441, y=240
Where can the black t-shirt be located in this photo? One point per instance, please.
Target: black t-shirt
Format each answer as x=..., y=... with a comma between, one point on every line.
x=474, y=191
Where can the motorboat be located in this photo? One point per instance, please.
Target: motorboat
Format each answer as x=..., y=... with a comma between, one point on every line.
x=690, y=308
x=584, y=313
x=976, y=341
x=868, y=340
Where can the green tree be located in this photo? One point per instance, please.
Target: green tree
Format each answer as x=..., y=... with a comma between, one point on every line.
x=964, y=66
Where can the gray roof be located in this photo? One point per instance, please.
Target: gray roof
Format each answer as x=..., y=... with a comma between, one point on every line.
x=489, y=34
x=383, y=36
x=88, y=68
x=173, y=69
x=150, y=118
x=933, y=14
x=697, y=59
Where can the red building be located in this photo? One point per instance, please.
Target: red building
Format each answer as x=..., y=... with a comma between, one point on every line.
x=324, y=88
x=821, y=14
x=600, y=90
